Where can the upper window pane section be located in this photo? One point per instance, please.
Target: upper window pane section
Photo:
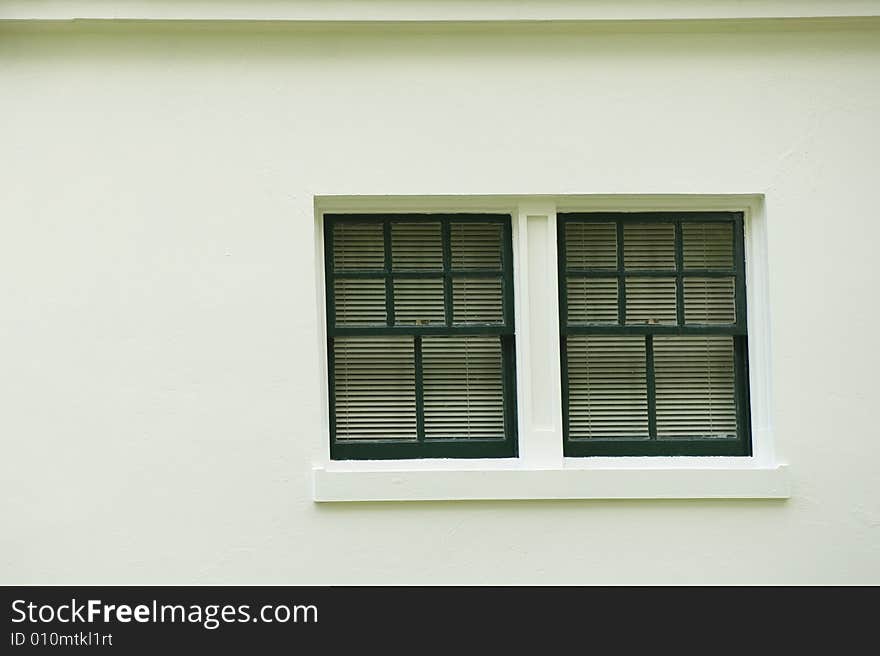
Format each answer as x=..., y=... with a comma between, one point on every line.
x=419, y=273
x=416, y=246
x=707, y=245
x=641, y=270
x=358, y=247
x=359, y=302
x=476, y=245
x=591, y=245
x=649, y=246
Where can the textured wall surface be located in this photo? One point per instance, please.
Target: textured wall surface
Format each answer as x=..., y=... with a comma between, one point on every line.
x=161, y=386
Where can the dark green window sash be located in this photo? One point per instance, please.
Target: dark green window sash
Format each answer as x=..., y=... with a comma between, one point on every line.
x=421, y=447
x=652, y=445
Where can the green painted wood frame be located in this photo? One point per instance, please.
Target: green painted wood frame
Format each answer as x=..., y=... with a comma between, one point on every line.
x=652, y=446
x=384, y=449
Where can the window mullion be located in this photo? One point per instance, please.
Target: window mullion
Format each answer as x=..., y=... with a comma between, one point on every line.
x=652, y=387
x=621, y=278
x=739, y=295
x=446, y=241
x=330, y=270
x=389, y=280
x=679, y=280
x=420, y=389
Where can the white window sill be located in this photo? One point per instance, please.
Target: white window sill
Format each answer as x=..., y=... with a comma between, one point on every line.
x=599, y=478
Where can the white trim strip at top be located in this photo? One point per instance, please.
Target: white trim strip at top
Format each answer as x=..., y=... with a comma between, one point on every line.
x=340, y=11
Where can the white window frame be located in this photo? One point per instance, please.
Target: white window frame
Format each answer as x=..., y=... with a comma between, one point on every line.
x=541, y=471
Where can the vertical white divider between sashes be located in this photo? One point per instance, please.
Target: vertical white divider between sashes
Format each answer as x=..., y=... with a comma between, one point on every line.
x=537, y=327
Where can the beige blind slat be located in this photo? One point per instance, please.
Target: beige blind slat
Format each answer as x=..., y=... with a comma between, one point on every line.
x=359, y=302
x=476, y=301
x=590, y=245
x=695, y=386
x=419, y=302
x=592, y=300
x=463, y=387
x=607, y=386
x=475, y=245
x=416, y=246
x=650, y=301
x=649, y=246
x=707, y=245
x=358, y=246
x=709, y=300
x=374, y=388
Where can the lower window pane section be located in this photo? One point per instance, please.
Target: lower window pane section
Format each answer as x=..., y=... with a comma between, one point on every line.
x=463, y=387
x=607, y=387
x=374, y=388
x=695, y=385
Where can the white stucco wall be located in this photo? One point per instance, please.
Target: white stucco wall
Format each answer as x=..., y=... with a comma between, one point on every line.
x=161, y=371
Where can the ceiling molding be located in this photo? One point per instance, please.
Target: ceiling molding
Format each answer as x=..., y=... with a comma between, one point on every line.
x=418, y=11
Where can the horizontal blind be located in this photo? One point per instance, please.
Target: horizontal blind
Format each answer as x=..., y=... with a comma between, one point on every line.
x=695, y=386
x=358, y=246
x=709, y=300
x=476, y=245
x=419, y=302
x=359, y=302
x=416, y=246
x=374, y=390
x=463, y=387
x=649, y=246
x=607, y=386
x=650, y=301
x=592, y=300
x=477, y=301
x=707, y=245
x=591, y=245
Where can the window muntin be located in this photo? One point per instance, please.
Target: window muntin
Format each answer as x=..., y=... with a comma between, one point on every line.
x=420, y=335
x=653, y=333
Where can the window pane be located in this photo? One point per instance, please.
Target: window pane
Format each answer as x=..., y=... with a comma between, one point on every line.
x=650, y=301
x=590, y=245
x=359, y=302
x=707, y=245
x=695, y=386
x=477, y=300
x=463, y=387
x=476, y=245
x=374, y=388
x=419, y=302
x=358, y=246
x=607, y=386
x=416, y=246
x=649, y=246
x=592, y=300
x=709, y=300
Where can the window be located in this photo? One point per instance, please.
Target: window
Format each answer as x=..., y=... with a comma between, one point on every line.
x=653, y=334
x=631, y=342
x=420, y=336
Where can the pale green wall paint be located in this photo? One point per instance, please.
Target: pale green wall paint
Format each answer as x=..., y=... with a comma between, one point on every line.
x=160, y=343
